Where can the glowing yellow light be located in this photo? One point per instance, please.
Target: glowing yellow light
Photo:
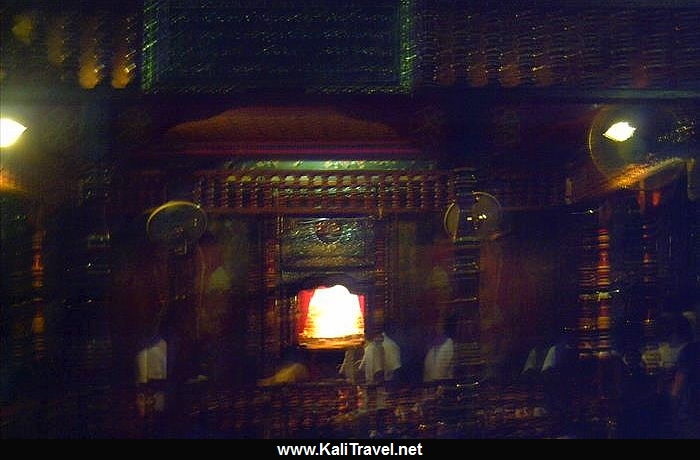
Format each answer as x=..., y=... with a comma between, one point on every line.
x=620, y=131
x=8, y=182
x=333, y=313
x=10, y=131
x=23, y=28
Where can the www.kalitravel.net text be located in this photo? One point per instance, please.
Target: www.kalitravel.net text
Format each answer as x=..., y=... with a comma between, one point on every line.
x=350, y=448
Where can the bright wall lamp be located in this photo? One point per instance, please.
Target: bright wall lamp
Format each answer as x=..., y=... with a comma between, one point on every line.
x=10, y=131
x=644, y=146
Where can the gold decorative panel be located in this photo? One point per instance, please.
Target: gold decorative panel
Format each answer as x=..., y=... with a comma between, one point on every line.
x=327, y=242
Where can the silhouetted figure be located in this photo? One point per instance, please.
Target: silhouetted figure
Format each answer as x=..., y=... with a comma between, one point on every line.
x=350, y=367
x=559, y=372
x=680, y=334
x=685, y=392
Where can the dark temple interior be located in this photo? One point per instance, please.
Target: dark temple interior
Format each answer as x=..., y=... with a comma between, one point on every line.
x=393, y=219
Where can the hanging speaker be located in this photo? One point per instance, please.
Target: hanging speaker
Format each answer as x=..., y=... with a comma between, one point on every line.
x=482, y=220
x=176, y=225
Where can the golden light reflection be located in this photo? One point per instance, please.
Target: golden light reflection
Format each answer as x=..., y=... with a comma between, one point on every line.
x=90, y=66
x=24, y=27
x=8, y=183
x=56, y=38
x=634, y=173
x=123, y=65
x=334, y=313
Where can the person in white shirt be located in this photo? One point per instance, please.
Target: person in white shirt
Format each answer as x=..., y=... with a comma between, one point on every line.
x=151, y=373
x=439, y=361
x=381, y=359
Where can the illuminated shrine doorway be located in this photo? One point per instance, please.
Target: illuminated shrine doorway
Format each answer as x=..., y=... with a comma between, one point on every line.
x=330, y=318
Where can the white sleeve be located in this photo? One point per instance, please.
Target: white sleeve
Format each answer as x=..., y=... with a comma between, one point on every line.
x=551, y=359
x=531, y=361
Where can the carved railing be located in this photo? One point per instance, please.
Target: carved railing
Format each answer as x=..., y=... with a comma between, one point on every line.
x=303, y=192
x=615, y=45
x=334, y=192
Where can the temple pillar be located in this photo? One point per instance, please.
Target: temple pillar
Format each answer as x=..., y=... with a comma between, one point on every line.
x=649, y=287
x=381, y=278
x=465, y=304
x=272, y=298
x=587, y=311
x=90, y=352
x=16, y=295
x=608, y=369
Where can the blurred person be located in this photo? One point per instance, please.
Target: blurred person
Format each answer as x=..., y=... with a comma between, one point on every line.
x=439, y=360
x=292, y=370
x=685, y=389
x=380, y=361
